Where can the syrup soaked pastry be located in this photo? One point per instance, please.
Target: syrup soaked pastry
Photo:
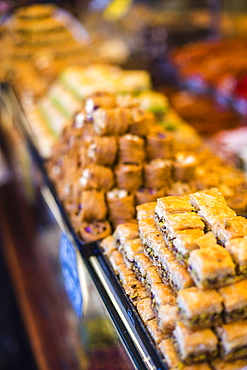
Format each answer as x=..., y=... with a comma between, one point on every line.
x=102, y=150
x=233, y=340
x=167, y=316
x=92, y=205
x=211, y=267
x=199, y=309
x=145, y=210
x=230, y=228
x=131, y=149
x=218, y=364
x=195, y=346
x=238, y=251
x=124, y=232
x=139, y=121
x=168, y=352
x=128, y=177
x=121, y=206
x=110, y=122
x=96, y=177
x=108, y=245
x=159, y=145
x=94, y=231
x=235, y=301
x=184, y=166
x=157, y=173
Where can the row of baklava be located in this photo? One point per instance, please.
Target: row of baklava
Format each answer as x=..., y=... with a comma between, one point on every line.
x=167, y=304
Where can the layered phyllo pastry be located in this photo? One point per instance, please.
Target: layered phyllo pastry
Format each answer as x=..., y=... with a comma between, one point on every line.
x=135, y=291
x=152, y=277
x=130, y=249
x=218, y=364
x=156, y=334
x=233, y=340
x=178, y=276
x=125, y=275
x=238, y=251
x=179, y=221
x=116, y=259
x=172, y=204
x=230, y=228
x=128, y=176
x=100, y=99
x=211, y=267
x=169, y=354
x=207, y=198
x=108, y=245
x=199, y=308
x=145, y=210
x=140, y=266
x=145, y=310
x=183, y=242
x=167, y=316
x=131, y=149
x=235, y=301
x=110, y=122
x=162, y=295
x=195, y=346
x=212, y=215
x=124, y=232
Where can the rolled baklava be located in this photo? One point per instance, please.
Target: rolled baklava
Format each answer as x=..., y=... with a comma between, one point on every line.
x=199, y=309
x=102, y=150
x=96, y=177
x=159, y=145
x=157, y=173
x=95, y=230
x=128, y=177
x=110, y=122
x=121, y=206
x=131, y=149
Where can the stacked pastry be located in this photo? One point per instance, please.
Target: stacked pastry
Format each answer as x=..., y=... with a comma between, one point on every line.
x=108, y=159
x=190, y=255
x=115, y=156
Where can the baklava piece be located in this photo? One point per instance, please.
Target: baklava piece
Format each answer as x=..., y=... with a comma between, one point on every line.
x=93, y=231
x=183, y=242
x=212, y=215
x=145, y=210
x=168, y=352
x=233, y=365
x=145, y=310
x=167, y=316
x=108, y=245
x=233, y=340
x=235, y=301
x=207, y=198
x=155, y=332
x=124, y=232
x=180, y=221
x=135, y=291
x=230, y=228
x=162, y=295
x=130, y=249
x=195, y=346
x=211, y=267
x=238, y=250
x=172, y=204
x=199, y=309
x=140, y=266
